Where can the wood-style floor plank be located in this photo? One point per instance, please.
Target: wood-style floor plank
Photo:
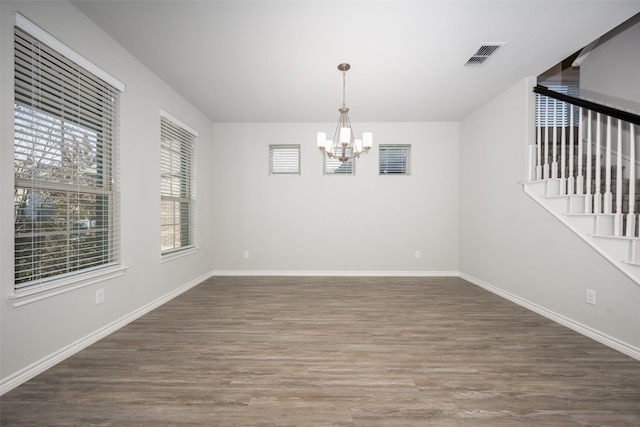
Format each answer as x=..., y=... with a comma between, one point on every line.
x=326, y=351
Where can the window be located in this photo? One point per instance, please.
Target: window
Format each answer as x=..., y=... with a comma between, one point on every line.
x=333, y=166
x=552, y=112
x=284, y=160
x=65, y=197
x=177, y=144
x=395, y=159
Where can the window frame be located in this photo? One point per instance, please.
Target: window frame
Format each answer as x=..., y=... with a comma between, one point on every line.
x=41, y=129
x=186, y=191
x=403, y=148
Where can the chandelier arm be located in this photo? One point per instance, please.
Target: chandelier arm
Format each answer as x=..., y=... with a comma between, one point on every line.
x=336, y=135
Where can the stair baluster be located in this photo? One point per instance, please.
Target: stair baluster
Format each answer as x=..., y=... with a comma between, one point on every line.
x=597, y=194
x=617, y=220
x=563, y=153
x=631, y=216
x=554, y=141
x=580, y=177
x=539, y=139
x=588, y=197
x=571, y=182
x=608, y=197
x=545, y=168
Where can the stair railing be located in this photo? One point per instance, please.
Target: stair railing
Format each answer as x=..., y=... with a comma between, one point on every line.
x=567, y=125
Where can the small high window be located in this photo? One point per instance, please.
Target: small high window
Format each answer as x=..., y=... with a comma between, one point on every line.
x=284, y=159
x=395, y=159
x=552, y=112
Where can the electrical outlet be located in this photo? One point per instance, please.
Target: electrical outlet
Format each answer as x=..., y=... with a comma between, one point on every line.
x=99, y=296
x=246, y=254
x=417, y=254
x=590, y=296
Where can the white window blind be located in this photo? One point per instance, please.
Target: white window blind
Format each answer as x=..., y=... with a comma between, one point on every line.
x=65, y=197
x=552, y=112
x=333, y=166
x=395, y=159
x=177, y=190
x=284, y=159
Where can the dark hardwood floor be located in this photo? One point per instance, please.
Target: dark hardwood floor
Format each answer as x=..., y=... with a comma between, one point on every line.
x=326, y=351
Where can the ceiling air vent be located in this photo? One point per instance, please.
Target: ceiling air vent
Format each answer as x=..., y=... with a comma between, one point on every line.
x=484, y=52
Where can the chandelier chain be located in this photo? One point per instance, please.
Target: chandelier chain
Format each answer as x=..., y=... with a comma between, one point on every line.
x=344, y=87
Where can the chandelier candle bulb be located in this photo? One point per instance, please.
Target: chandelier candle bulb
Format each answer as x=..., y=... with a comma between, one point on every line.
x=345, y=135
x=367, y=139
x=358, y=143
x=322, y=140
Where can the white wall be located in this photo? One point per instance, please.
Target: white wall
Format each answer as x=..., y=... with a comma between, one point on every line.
x=323, y=224
x=36, y=331
x=511, y=243
x=611, y=69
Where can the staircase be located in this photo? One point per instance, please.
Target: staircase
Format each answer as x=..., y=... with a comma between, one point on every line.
x=583, y=171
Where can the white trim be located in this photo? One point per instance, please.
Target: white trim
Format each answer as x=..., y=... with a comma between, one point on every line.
x=9, y=383
x=174, y=254
x=167, y=115
x=585, y=330
x=336, y=273
x=57, y=287
x=46, y=38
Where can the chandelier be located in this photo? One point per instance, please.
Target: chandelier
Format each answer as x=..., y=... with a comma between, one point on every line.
x=344, y=146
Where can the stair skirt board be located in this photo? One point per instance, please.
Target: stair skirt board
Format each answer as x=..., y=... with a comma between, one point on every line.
x=597, y=230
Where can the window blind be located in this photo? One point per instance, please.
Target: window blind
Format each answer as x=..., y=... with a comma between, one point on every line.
x=394, y=159
x=65, y=196
x=177, y=190
x=284, y=159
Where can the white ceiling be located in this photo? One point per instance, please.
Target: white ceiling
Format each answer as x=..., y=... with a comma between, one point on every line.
x=276, y=61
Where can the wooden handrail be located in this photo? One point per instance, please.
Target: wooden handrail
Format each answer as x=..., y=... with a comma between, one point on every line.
x=590, y=105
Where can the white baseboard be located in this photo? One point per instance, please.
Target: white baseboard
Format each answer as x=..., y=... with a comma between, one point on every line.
x=36, y=368
x=336, y=273
x=596, y=335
